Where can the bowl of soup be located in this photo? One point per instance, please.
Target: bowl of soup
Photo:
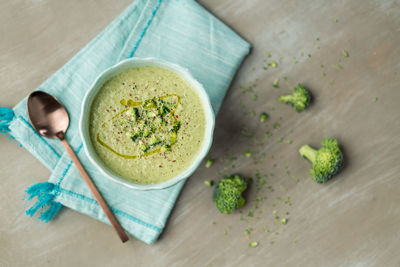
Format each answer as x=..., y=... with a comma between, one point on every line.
x=146, y=123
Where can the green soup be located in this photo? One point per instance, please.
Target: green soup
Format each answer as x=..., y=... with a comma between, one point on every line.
x=147, y=124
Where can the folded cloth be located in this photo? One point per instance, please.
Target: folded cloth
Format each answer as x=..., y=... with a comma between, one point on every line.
x=179, y=31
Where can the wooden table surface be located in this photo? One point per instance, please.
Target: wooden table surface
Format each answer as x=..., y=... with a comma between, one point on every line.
x=354, y=220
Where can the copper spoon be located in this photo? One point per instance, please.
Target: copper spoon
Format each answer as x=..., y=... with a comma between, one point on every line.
x=50, y=119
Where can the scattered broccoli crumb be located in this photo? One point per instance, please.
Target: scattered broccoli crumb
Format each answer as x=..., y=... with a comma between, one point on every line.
x=276, y=83
x=277, y=126
x=209, y=183
x=284, y=221
x=263, y=116
x=275, y=213
x=248, y=230
x=345, y=53
x=268, y=134
x=289, y=142
x=323, y=74
x=375, y=99
x=338, y=66
x=253, y=244
x=335, y=20
x=214, y=223
x=279, y=139
x=250, y=213
x=288, y=201
x=268, y=54
x=209, y=163
x=273, y=64
x=248, y=154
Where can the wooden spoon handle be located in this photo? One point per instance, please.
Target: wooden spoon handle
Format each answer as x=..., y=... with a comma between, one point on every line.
x=110, y=215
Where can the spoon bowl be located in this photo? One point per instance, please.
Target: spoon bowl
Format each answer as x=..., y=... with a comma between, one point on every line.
x=48, y=116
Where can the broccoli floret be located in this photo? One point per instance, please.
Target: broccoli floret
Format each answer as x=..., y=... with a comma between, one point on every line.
x=299, y=99
x=326, y=161
x=228, y=193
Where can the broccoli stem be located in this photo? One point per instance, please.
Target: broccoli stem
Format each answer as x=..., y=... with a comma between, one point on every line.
x=285, y=98
x=308, y=153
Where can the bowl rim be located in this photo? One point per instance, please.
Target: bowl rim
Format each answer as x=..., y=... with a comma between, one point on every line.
x=94, y=88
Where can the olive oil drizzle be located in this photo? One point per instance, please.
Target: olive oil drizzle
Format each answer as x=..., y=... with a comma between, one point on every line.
x=131, y=103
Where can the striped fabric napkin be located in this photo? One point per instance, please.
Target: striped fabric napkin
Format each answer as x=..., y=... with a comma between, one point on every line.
x=179, y=31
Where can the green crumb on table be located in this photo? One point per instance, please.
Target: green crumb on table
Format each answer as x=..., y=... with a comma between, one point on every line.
x=265, y=67
x=277, y=126
x=284, y=221
x=316, y=38
x=332, y=82
x=248, y=154
x=335, y=20
x=253, y=244
x=295, y=60
x=294, y=241
x=248, y=230
x=375, y=99
x=338, y=66
x=273, y=64
x=263, y=116
x=276, y=83
x=288, y=142
x=323, y=74
x=288, y=201
x=268, y=54
x=302, y=53
x=209, y=163
x=345, y=53
x=279, y=139
x=209, y=183
x=250, y=213
x=214, y=223
x=268, y=134
x=285, y=78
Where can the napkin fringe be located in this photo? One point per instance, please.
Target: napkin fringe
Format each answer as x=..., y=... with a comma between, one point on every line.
x=6, y=116
x=45, y=193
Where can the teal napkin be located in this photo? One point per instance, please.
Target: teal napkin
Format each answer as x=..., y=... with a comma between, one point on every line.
x=179, y=31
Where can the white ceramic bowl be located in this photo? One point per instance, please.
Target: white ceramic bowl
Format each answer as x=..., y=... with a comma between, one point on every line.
x=137, y=62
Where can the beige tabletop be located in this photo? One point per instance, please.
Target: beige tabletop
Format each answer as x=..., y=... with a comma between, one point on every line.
x=354, y=220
